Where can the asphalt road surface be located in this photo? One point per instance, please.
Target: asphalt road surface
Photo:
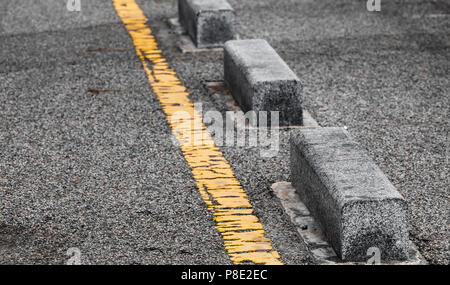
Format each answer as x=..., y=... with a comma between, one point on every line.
x=86, y=155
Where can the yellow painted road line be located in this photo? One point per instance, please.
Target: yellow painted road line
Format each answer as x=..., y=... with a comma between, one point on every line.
x=241, y=231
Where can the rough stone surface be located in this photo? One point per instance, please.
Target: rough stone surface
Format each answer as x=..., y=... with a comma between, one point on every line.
x=210, y=23
x=260, y=80
x=348, y=194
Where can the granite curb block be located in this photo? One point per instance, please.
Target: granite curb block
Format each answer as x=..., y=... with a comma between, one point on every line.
x=351, y=198
x=316, y=241
x=209, y=23
x=260, y=80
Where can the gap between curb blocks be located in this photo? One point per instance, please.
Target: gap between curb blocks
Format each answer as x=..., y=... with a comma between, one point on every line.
x=242, y=232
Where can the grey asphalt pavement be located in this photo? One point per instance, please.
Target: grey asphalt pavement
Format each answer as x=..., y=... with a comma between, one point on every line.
x=86, y=158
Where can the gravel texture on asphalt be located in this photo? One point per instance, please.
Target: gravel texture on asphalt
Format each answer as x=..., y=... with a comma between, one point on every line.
x=85, y=155
x=86, y=158
x=383, y=75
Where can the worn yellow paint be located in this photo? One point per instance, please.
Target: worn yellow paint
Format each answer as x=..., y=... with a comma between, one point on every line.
x=241, y=230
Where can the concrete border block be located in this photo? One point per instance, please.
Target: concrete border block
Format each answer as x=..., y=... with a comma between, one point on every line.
x=222, y=97
x=313, y=235
x=351, y=198
x=260, y=80
x=210, y=23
